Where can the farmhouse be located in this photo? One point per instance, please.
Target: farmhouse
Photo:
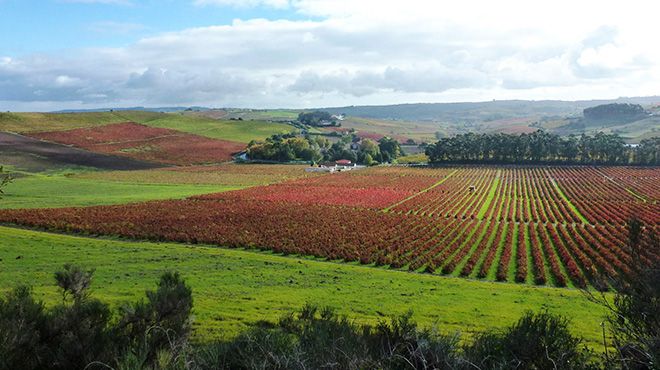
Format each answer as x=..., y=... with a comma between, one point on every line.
x=338, y=166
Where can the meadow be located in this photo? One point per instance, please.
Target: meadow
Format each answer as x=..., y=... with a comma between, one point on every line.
x=62, y=190
x=232, y=130
x=36, y=122
x=228, y=174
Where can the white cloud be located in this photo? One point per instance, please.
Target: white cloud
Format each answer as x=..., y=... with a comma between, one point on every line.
x=363, y=52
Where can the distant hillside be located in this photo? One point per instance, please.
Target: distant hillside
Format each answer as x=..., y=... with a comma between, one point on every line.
x=140, y=109
x=631, y=121
x=615, y=113
x=480, y=111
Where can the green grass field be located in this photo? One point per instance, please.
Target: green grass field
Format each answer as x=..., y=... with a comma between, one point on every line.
x=40, y=191
x=235, y=288
x=228, y=174
x=33, y=122
x=240, y=131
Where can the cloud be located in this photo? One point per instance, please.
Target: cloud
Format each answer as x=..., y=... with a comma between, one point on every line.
x=360, y=52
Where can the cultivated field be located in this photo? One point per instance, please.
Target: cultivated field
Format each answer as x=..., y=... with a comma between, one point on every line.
x=228, y=174
x=30, y=154
x=558, y=226
x=146, y=143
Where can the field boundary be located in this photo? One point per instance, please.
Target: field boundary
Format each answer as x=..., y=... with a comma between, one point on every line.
x=421, y=191
x=568, y=201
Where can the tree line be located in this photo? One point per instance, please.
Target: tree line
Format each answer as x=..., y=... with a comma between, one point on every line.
x=315, y=149
x=543, y=147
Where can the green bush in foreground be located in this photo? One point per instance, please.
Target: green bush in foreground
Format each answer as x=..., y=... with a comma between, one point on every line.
x=81, y=332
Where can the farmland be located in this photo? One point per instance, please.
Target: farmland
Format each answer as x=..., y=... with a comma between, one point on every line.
x=228, y=174
x=556, y=226
x=45, y=191
x=232, y=130
x=146, y=143
x=192, y=123
x=34, y=155
x=36, y=122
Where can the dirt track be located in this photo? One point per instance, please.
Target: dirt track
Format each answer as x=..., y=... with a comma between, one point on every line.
x=13, y=144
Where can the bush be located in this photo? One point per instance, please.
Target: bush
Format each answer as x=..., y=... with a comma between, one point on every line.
x=23, y=322
x=153, y=334
x=316, y=338
x=162, y=321
x=79, y=332
x=537, y=341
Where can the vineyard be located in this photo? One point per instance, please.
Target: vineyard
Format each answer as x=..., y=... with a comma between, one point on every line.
x=146, y=143
x=557, y=226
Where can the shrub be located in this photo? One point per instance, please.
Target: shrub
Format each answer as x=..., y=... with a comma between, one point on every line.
x=537, y=341
x=22, y=325
x=80, y=333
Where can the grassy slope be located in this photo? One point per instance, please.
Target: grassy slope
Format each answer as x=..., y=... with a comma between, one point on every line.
x=235, y=288
x=40, y=191
x=419, y=131
x=240, y=131
x=33, y=122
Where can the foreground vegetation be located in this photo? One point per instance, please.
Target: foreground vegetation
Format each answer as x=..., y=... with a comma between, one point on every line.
x=83, y=332
x=234, y=289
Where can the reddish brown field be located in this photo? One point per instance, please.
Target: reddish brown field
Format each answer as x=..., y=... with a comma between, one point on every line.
x=561, y=226
x=146, y=143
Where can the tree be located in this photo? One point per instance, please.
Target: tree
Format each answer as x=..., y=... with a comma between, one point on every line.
x=369, y=150
x=390, y=149
x=537, y=147
x=648, y=151
x=4, y=181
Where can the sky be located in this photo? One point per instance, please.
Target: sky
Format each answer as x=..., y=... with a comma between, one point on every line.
x=77, y=54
